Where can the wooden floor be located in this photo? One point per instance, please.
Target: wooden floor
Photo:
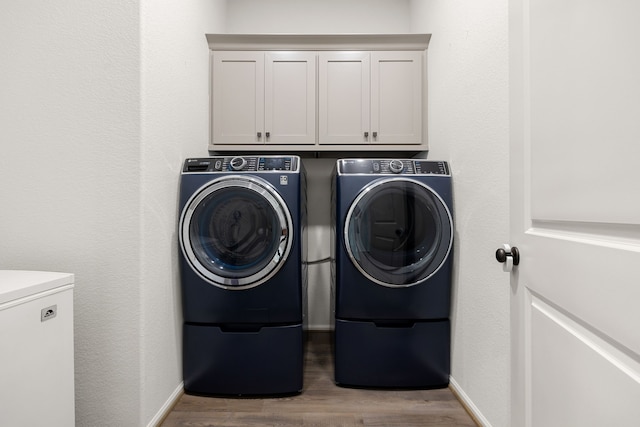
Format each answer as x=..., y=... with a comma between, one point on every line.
x=322, y=403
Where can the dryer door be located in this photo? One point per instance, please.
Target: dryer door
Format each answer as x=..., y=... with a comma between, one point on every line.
x=398, y=232
x=236, y=232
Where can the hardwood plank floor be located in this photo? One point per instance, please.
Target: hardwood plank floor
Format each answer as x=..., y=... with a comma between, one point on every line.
x=322, y=403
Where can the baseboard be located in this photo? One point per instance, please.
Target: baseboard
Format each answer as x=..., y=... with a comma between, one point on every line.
x=168, y=405
x=468, y=404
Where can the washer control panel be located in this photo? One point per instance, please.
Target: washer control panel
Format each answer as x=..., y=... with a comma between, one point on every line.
x=392, y=167
x=242, y=164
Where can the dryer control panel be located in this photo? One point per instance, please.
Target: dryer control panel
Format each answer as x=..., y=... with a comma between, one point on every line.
x=392, y=167
x=242, y=164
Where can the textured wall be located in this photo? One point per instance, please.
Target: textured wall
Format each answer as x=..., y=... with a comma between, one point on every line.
x=70, y=180
x=100, y=105
x=175, y=125
x=318, y=17
x=468, y=125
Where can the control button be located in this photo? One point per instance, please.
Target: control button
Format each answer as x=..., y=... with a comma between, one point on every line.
x=237, y=163
x=396, y=166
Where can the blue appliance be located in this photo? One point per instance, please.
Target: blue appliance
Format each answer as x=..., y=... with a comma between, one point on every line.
x=391, y=273
x=243, y=279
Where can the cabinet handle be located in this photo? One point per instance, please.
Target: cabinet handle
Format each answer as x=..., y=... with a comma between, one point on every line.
x=259, y=135
x=267, y=134
x=366, y=134
x=375, y=135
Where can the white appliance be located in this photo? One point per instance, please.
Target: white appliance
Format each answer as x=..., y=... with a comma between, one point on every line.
x=36, y=349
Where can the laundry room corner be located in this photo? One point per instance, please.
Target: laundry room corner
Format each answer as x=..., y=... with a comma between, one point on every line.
x=174, y=125
x=468, y=126
x=102, y=103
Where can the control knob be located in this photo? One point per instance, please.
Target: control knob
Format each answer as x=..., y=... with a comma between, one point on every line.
x=237, y=163
x=396, y=166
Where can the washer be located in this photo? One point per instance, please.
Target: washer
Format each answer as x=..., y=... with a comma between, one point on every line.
x=391, y=277
x=243, y=276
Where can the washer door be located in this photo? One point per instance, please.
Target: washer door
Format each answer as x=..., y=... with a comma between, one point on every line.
x=398, y=232
x=236, y=232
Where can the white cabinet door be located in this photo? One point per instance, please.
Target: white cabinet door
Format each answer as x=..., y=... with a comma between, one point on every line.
x=396, y=97
x=260, y=97
x=370, y=97
x=290, y=98
x=344, y=98
x=237, y=99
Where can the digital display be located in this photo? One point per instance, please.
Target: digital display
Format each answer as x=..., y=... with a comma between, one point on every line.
x=356, y=166
x=274, y=163
x=438, y=168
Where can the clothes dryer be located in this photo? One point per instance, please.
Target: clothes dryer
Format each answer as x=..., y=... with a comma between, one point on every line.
x=391, y=279
x=243, y=279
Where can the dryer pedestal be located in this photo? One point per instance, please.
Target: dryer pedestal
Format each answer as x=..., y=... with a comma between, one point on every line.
x=243, y=360
x=392, y=355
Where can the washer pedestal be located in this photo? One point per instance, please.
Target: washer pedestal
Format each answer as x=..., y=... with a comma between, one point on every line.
x=392, y=355
x=243, y=359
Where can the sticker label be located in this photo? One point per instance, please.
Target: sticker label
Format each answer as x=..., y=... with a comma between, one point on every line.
x=284, y=180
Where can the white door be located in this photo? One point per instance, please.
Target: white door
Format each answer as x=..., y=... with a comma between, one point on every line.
x=290, y=98
x=575, y=212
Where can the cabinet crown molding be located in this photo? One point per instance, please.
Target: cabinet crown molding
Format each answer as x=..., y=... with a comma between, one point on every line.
x=318, y=42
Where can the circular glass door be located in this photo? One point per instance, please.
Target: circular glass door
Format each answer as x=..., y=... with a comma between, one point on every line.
x=398, y=232
x=236, y=232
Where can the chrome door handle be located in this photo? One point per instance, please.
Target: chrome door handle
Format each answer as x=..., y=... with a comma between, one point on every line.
x=508, y=256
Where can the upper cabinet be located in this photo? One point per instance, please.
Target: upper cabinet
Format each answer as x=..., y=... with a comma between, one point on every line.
x=263, y=98
x=370, y=98
x=319, y=93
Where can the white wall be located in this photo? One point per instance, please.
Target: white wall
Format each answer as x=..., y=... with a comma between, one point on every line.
x=468, y=125
x=99, y=105
x=174, y=125
x=70, y=180
x=318, y=16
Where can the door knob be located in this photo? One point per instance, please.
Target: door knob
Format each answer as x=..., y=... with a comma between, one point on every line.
x=508, y=256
